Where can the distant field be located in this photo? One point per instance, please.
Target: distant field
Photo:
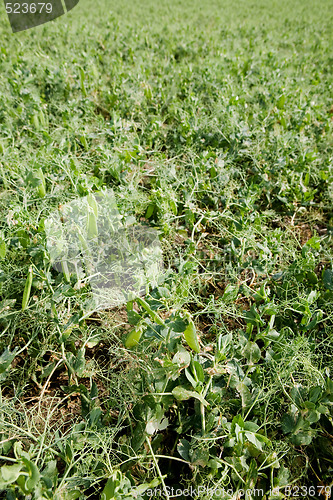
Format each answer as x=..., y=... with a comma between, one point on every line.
x=212, y=123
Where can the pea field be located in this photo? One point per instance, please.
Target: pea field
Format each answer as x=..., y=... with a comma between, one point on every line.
x=211, y=125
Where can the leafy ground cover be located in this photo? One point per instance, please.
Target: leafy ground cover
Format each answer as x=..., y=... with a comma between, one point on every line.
x=213, y=124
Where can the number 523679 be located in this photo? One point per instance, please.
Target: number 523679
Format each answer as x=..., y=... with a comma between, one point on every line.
x=28, y=8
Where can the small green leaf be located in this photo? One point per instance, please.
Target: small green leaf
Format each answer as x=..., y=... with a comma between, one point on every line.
x=252, y=474
x=328, y=279
x=94, y=417
x=313, y=416
x=80, y=362
x=312, y=277
x=245, y=394
x=109, y=490
x=250, y=426
x=253, y=439
x=156, y=424
x=23, y=237
x=281, y=101
x=329, y=386
x=183, y=449
x=230, y=293
x=282, y=477
x=199, y=456
x=223, y=342
x=141, y=488
x=212, y=172
x=313, y=242
x=68, y=453
x=66, y=494
x=287, y=423
x=252, y=353
x=133, y=317
x=5, y=361
x=273, y=460
x=182, y=394
x=298, y=394
x=257, y=439
x=198, y=371
x=190, y=378
x=50, y=471
x=9, y=473
x=173, y=207
x=302, y=438
x=35, y=121
x=139, y=436
x=82, y=80
x=315, y=393
x=182, y=357
x=178, y=325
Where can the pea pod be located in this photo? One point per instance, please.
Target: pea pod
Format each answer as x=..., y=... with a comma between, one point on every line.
x=92, y=226
x=83, y=242
x=27, y=290
x=41, y=188
x=154, y=316
x=65, y=270
x=92, y=216
x=35, y=121
x=192, y=337
x=3, y=248
x=82, y=79
x=41, y=118
x=92, y=203
x=133, y=337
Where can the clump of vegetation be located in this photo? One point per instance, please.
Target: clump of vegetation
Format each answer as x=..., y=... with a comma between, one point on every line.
x=213, y=126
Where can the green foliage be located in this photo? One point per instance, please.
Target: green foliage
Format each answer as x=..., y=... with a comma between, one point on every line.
x=212, y=124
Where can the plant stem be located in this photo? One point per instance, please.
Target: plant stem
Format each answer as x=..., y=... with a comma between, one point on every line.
x=149, y=310
x=203, y=419
x=158, y=469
